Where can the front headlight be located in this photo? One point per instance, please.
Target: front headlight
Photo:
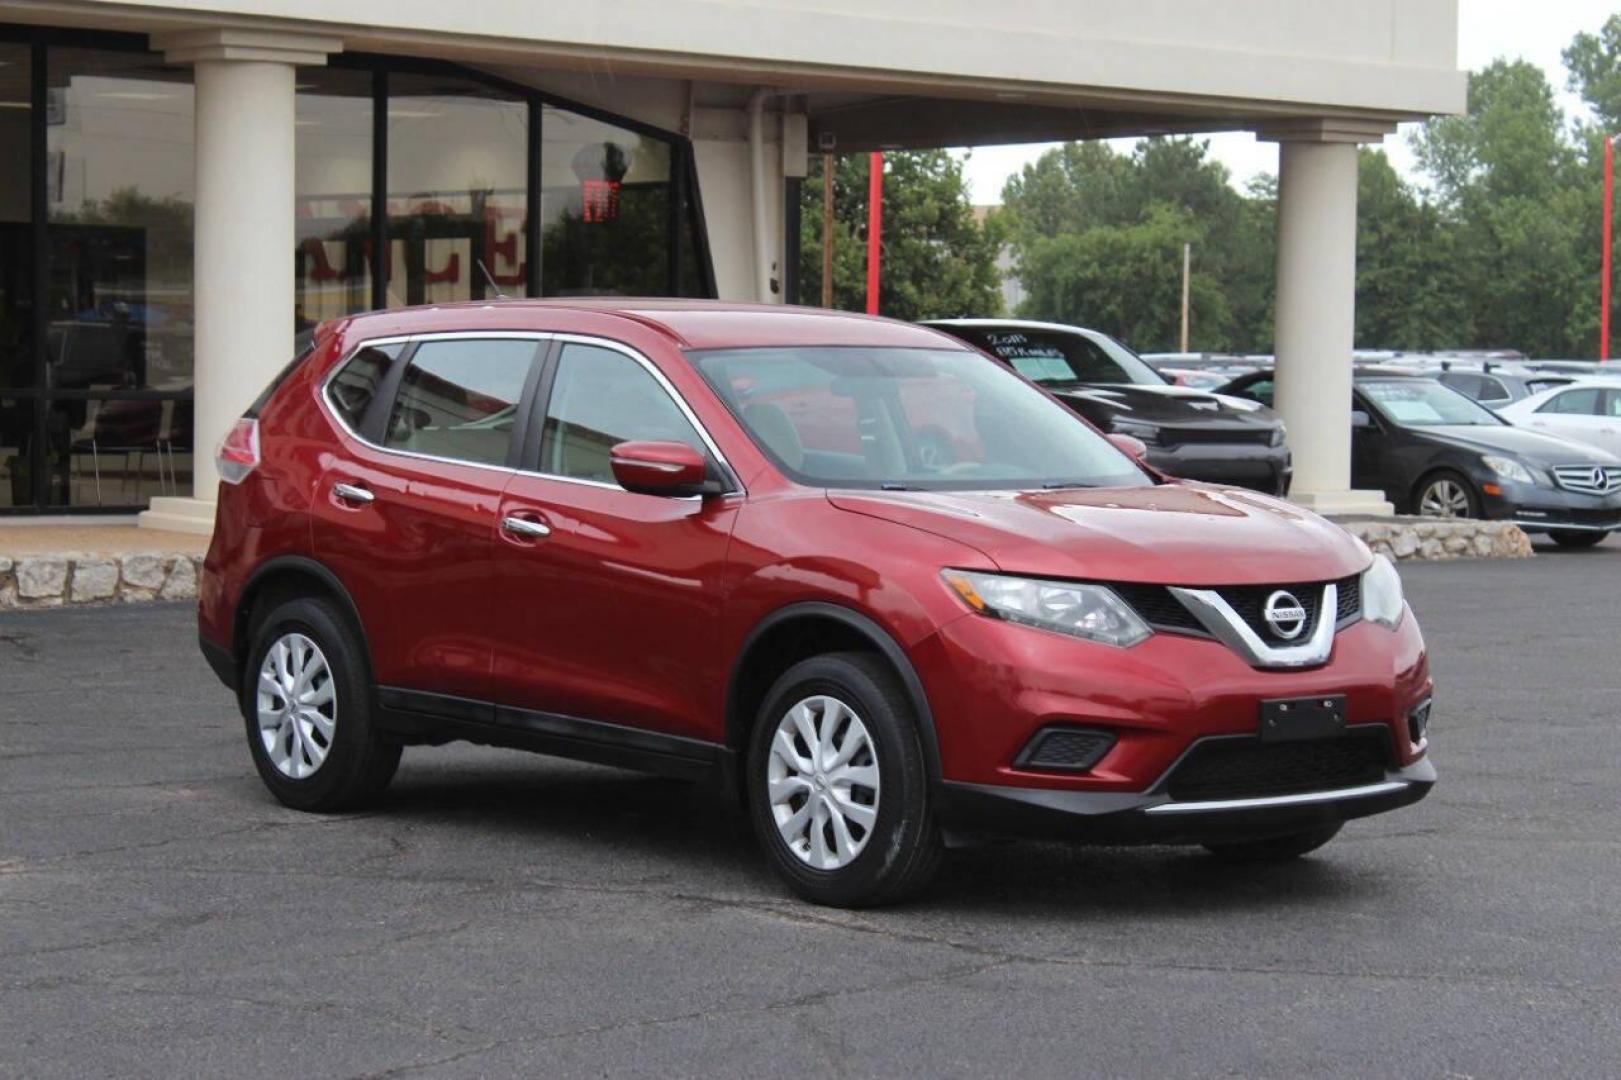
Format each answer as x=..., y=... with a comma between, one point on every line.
x=1084, y=611
x=1382, y=600
x=1508, y=468
x=1280, y=434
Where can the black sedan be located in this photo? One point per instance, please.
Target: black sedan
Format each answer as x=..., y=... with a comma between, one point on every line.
x=1436, y=453
x=1194, y=434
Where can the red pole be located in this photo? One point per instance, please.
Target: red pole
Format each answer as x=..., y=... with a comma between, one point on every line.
x=1604, y=284
x=875, y=227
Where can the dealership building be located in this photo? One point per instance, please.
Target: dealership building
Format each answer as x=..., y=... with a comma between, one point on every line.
x=186, y=187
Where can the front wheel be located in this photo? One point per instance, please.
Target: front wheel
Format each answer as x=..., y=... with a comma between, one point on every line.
x=1276, y=849
x=1576, y=538
x=838, y=786
x=307, y=704
x=1447, y=494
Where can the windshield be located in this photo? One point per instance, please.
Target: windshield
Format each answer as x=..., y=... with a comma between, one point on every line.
x=908, y=419
x=1423, y=403
x=1062, y=358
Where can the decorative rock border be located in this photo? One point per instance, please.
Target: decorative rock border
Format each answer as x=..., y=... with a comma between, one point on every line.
x=48, y=581
x=1412, y=538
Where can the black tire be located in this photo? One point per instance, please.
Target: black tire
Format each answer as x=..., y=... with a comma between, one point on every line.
x=1576, y=538
x=903, y=849
x=1276, y=849
x=1470, y=495
x=359, y=761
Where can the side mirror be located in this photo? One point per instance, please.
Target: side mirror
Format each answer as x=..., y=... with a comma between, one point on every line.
x=672, y=469
x=1132, y=447
x=1360, y=421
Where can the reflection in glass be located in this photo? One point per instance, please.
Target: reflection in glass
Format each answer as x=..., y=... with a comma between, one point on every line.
x=118, y=453
x=333, y=207
x=457, y=177
x=16, y=452
x=16, y=247
x=119, y=191
x=605, y=208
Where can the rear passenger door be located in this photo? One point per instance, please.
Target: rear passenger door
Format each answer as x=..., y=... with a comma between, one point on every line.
x=406, y=512
x=612, y=598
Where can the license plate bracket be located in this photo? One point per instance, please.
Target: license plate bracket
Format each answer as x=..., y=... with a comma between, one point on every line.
x=1293, y=719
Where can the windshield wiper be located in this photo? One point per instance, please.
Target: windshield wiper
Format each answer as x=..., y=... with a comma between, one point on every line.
x=896, y=486
x=1061, y=485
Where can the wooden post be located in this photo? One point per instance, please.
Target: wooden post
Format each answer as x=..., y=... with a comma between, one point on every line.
x=827, y=230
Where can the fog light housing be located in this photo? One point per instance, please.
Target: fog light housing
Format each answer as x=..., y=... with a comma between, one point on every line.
x=1065, y=749
x=1418, y=721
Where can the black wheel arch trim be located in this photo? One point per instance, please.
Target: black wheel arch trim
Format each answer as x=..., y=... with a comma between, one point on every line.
x=299, y=564
x=737, y=725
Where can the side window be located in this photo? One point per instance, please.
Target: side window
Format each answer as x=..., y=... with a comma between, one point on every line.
x=1463, y=383
x=1582, y=402
x=601, y=397
x=459, y=399
x=355, y=387
x=1259, y=390
x=1492, y=390
x=1612, y=403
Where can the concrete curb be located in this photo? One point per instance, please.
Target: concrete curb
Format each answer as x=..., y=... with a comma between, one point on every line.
x=52, y=581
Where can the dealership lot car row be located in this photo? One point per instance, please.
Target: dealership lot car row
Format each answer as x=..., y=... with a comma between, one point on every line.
x=884, y=590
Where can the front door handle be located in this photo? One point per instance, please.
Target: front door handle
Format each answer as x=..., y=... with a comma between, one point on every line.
x=352, y=493
x=518, y=526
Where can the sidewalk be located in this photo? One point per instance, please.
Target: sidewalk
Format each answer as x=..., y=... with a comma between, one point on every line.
x=43, y=566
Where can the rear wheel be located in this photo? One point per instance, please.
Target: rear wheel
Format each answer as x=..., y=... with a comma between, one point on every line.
x=837, y=785
x=1276, y=849
x=1576, y=538
x=1447, y=494
x=308, y=709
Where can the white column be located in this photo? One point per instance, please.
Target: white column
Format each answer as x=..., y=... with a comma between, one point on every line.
x=243, y=238
x=1316, y=309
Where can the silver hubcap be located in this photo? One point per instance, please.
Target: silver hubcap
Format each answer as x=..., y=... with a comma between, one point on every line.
x=822, y=780
x=297, y=706
x=1444, y=499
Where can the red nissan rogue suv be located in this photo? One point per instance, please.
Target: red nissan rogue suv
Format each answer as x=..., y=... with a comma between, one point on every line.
x=704, y=540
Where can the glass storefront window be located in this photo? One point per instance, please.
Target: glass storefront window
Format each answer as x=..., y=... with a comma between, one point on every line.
x=16, y=239
x=119, y=196
x=333, y=208
x=458, y=156
x=605, y=208
x=16, y=452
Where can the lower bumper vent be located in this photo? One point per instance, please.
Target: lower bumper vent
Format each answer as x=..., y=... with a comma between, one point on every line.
x=1065, y=749
x=1248, y=768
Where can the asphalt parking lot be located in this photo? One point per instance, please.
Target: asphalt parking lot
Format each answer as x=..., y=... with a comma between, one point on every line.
x=500, y=913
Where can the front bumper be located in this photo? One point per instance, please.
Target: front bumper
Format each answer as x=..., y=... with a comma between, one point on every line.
x=1267, y=469
x=1538, y=508
x=1154, y=817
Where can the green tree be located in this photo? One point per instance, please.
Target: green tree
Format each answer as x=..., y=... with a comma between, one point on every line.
x=1408, y=292
x=1097, y=236
x=938, y=260
x=1594, y=65
x=1514, y=196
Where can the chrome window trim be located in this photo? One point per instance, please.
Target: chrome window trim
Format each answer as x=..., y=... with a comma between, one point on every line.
x=1229, y=628
x=1384, y=787
x=323, y=391
x=735, y=486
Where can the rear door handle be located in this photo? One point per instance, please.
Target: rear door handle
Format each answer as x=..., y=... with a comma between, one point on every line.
x=518, y=526
x=352, y=493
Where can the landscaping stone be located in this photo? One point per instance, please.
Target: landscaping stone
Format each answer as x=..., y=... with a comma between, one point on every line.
x=182, y=583
x=94, y=579
x=1427, y=538
x=147, y=572
x=42, y=577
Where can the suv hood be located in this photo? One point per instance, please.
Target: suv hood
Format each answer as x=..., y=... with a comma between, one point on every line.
x=1169, y=534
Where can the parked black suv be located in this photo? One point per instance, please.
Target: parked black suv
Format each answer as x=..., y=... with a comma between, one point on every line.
x=1193, y=434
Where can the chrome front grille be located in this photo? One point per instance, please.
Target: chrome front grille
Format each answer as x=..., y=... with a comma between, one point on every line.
x=1589, y=479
